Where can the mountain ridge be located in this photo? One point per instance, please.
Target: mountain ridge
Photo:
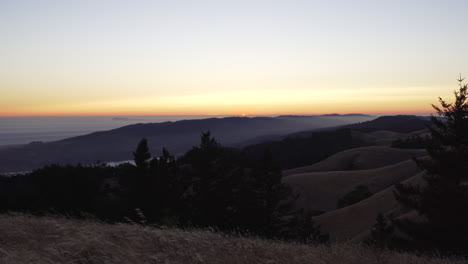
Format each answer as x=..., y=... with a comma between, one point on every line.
x=178, y=137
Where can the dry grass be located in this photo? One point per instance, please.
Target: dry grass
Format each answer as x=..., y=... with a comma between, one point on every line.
x=378, y=138
x=26, y=239
x=360, y=159
x=354, y=222
x=321, y=190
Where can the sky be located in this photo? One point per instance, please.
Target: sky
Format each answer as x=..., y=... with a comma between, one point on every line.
x=215, y=57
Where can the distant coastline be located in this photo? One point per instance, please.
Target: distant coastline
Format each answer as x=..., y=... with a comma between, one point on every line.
x=27, y=129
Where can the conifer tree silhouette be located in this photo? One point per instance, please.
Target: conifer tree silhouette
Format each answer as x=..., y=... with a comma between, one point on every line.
x=142, y=154
x=382, y=231
x=442, y=200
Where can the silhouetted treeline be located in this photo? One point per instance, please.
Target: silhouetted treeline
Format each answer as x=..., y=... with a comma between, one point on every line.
x=61, y=189
x=358, y=194
x=413, y=142
x=400, y=124
x=210, y=186
x=297, y=151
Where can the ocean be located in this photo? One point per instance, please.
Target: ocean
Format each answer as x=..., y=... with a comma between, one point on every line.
x=26, y=129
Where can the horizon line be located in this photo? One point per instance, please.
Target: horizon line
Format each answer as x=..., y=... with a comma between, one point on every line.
x=216, y=114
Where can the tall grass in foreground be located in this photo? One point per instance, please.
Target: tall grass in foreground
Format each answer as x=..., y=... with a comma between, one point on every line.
x=28, y=239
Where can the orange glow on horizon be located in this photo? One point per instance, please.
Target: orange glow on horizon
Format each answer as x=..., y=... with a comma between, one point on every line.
x=222, y=58
x=232, y=103
x=251, y=114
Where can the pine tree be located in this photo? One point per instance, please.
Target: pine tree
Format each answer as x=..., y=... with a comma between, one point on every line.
x=137, y=184
x=442, y=200
x=272, y=199
x=300, y=227
x=230, y=192
x=165, y=188
x=382, y=231
x=142, y=154
x=275, y=212
x=209, y=172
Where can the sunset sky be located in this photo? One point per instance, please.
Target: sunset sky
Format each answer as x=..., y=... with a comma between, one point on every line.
x=110, y=57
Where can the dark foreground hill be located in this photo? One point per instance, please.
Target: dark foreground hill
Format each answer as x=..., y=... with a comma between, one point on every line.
x=178, y=137
x=26, y=239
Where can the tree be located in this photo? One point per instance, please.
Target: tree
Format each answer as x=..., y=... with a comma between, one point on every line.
x=442, y=200
x=274, y=213
x=138, y=184
x=232, y=193
x=358, y=194
x=166, y=188
x=302, y=228
x=274, y=200
x=413, y=142
x=211, y=168
x=142, y=154
x=382, y=231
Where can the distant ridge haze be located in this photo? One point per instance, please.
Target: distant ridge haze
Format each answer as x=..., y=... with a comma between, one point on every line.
x=178, y=137
x=26, y=129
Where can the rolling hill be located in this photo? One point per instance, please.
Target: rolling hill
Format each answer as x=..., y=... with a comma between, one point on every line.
x=321, y=190
x=378, y=167
x=354, y=222
x=308, y=147
x=360, y=159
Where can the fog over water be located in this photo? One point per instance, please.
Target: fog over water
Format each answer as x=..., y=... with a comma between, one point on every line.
x=25, y=129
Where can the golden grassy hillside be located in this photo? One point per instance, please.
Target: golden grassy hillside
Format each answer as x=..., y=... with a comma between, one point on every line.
x=379, y=138
x=360, y=159
x=385, y=137
x=26, y=239
x=422, y=133
x=321, y=190
x=355, y=221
